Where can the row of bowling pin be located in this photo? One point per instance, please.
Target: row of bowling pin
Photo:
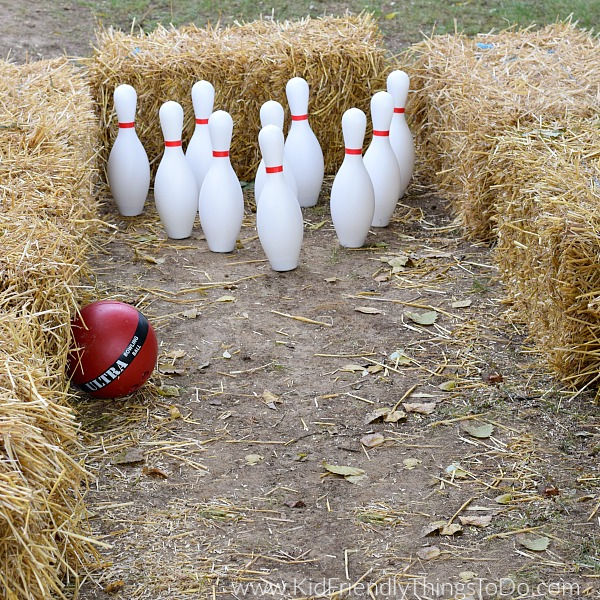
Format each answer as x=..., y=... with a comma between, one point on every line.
x=217, y=192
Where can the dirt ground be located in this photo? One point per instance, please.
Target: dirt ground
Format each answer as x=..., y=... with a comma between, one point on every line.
x=218, y=479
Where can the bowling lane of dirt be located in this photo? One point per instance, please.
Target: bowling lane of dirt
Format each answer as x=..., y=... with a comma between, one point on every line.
x=370, y=421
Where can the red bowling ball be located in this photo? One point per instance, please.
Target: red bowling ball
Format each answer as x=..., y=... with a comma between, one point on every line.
x=115, y=349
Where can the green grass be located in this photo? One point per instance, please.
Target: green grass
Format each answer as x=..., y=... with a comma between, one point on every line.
x=402, y=22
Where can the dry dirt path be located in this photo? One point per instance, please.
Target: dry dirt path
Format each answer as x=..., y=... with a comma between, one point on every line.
x=213, y=478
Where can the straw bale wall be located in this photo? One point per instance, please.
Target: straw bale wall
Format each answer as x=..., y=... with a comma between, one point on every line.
x=342, y=58
x=548, y=226
x=47, y=211
x=508, y=127
x=470, y=90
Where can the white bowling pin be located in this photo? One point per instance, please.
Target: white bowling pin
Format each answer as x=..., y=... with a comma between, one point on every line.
x=380, y=160
x=279, y=220
x=175, y=189
x=221, y=202
x=401, y=139
x=271, y=113
x=128, y=166
x=199, y=151
x=352, y=197
x=302, y=150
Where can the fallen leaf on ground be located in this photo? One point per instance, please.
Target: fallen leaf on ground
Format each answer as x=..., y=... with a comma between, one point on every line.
x=428, y=552
x=192, y=313
x=331, y=279
x=390, y=16
x=151, y=259
x=378, y=413
x=533, y=542
x=368, y=310
x=447, y=386
x=493, y=377
x=253, y=459
x=476, y=521
x=169, y=391
x=226, y=298
x=395, y=416
x=154, y=472
x=466, y=576
x=423, y=408
x=353, y=368
x=130, y=456
x=504, y=498
x=114, y=586
x=295, y=504
x=451, y=529
x=481, y=432
x=174, y=354
x=455, y=470
x=270, y=399
x=550, y=490
x=350, y=474
x=400, y=358
x=411, y=463
x=375, y=369
x=372, y=439
x=396, y=262
x=432, y=528
x=424, y=318
x=461, y=303
x=174, y=412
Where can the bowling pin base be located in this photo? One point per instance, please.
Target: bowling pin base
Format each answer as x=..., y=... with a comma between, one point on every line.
x=283, y=268
x=221, y=249
x=130, y=213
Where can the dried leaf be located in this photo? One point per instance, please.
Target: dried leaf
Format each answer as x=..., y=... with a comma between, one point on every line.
x=356, y=478
x=131, y=456
x=174, y=354
x=451, y=529
x=423, y=408
x=492, y=377
x=378, y=413
x=154, y=472
x=395, y=416
x=466, y=576
x=353, y=368
x=411, y=463
x=368, y=310
x=174, y=412
x=192, y=313
x=400, y=358
x=532, y=542
x=253, y=459
x=225, y=299
x=375, y=369
x=372, y=439
x=432, y=528
x=169, y=391
x=447, y=386
x=476, y=521
x=295, y=504
x=150, y=259
x=504, y=498
x=114, y=586
x=424, y=318
x=343, y=471
x=331, y=279
x=396, y=262
x=461, y=303
x=428, y=552
x=390, y=16
x=456, y=471
x=481, y=432
x=269, y=398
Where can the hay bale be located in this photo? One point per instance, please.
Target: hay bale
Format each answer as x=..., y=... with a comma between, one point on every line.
x=470, y=90
x=47, y=209
x=342, y=59
x=548, y=225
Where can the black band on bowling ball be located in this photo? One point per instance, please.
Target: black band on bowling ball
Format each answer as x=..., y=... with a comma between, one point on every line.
x=131, y=351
